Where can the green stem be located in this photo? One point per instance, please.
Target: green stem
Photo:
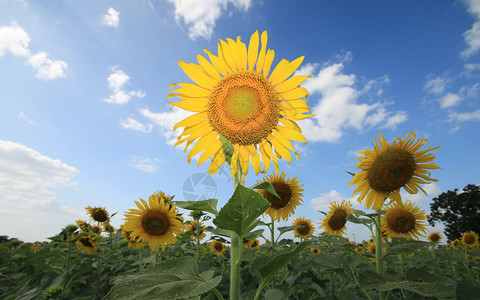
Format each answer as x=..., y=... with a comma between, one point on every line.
x=272, y=230
x=378, y=248
x=236, y=251
x=217, y=293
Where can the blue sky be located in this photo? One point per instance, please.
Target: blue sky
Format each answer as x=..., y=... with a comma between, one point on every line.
x=84, y=121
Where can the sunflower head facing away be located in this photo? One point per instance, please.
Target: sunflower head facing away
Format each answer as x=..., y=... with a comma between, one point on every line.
x=193, y=227
x=470, y=239
x=290, y=192
x=87, y=244
x=404, y=221
x=98, y=214
x=217, y=247
x=307, y=229
x=236, y=96
x=166, y=198
x=434, y=237
x=390, y=167
x=334, y=222
x=82, y=225
x=155, y=223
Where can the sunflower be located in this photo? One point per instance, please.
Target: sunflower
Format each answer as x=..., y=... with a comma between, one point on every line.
x=435, y=237
x=98, y=214
x=161, y=194
x=359, y=249
x=371, y=248
x=87, y=244
x=404, y=221
x=388, y=168
x=456, y=243
x=155, y=223
x=290, y=192
x=193, y=227
x=470, y=239
x=315, y=250
x=132, y=242
x=95, y=229
x=334, y=222
x=307, y=229
x=217, y=247
x=237, y=97
x=83, y=225
x=255, y=243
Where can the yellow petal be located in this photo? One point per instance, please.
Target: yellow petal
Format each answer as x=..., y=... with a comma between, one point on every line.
x=194, y=72
x=299, y=106
x=218, y=63
x=244, y=158
x=283, y=71
x=210, y=151
x=235, y=53
x=217, y=161
x=280, y=149
x=291, y=83
x=262, y=54
x=268, y=62
x=291, y=134
x=191, y=90
x=192, y=104
x=242, y=49
x=191, y=120
x=203, y=143
x=255, y=158
x=294, y=115
x=208, y=67
x=284, y=141
x=295, y=94
x=234, y=161
x=290, y=124
x=227, y=56
x=253, y=50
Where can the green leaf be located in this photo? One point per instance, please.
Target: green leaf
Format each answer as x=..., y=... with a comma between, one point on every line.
x=209, y=205
x=267, y=266
x=241, y=211
x=265, y=186
x=289, y=228
x=402, y=245
x=352, y=218
x=227, y=149
x=444, y=289
x=254, y=234
x=175, y=278
x=274, y=294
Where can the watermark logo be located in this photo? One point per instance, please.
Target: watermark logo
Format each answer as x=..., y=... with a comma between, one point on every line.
x=199, y=186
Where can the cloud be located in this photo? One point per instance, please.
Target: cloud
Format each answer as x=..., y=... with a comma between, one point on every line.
x=111, y=18
x=116, y=82
x=27, y=192
x=472, y=36
x=200, y=16
x=165, y=122
x=16, y=40
x=339, y=107
x=435, y=86
x=21, y=115
x=133, y=124
x=467, y=116
x=144, y=164
x=46, y=68
x=322, y=202
x=449, y=100
x=432, y=189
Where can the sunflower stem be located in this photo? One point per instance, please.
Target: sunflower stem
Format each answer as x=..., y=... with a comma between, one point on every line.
x=378, y=248
x=272, y=230
x=236, y=250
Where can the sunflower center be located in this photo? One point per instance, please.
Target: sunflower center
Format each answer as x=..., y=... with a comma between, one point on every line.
x=244, y=107
x=285, y=193
x=218, y=247
x=155, y=223
x=391, y=170
x=434, y=237
x=338, y=219
x=99, y=215
x=305, y=229
x=401, y=221
x=86, y=242
x=469, y=239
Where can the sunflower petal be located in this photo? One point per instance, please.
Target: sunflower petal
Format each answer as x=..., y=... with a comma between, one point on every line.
x=194, y=72
x=253, y=50
x=283, y=71
x=262, y=54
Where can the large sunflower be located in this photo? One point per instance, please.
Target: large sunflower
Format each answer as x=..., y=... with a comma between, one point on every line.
x=404, y=220
x=470, y=239
x=307, y=229
x=388, y=168
x=290, y=192
x=334, y=222
x=87, y=244
x=236, y=96
x=155, y=223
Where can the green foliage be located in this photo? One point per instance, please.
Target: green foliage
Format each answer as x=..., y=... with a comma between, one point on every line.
x=209, y=205
x=459, y=211
x=241, y=211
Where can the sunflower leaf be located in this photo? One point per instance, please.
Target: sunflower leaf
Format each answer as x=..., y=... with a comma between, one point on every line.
x=209, y=205
x=175, y=278
x=227, y=149
x=265, y=186
x=289, y=228
x=241, y=211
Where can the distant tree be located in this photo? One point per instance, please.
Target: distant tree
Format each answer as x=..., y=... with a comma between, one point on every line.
x=459, y=211
x=4, y=238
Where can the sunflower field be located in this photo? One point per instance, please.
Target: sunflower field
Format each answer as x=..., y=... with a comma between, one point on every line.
x=244, y=116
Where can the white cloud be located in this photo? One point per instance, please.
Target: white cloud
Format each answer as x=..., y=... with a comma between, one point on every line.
x=470, y=68
x=435, y=86
x=46, y=68
x=144, y=164
x=15, y=40
x=467, y=116
x=322, y=202
x=166, y=120
x=116, y=82
x=339, y=107
x=432, y=189
x=111, y=18
x=27, y=192
x=472, y=36
x=133, y=124
x=449, y=100
x=21, y=115
x=201, y=16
